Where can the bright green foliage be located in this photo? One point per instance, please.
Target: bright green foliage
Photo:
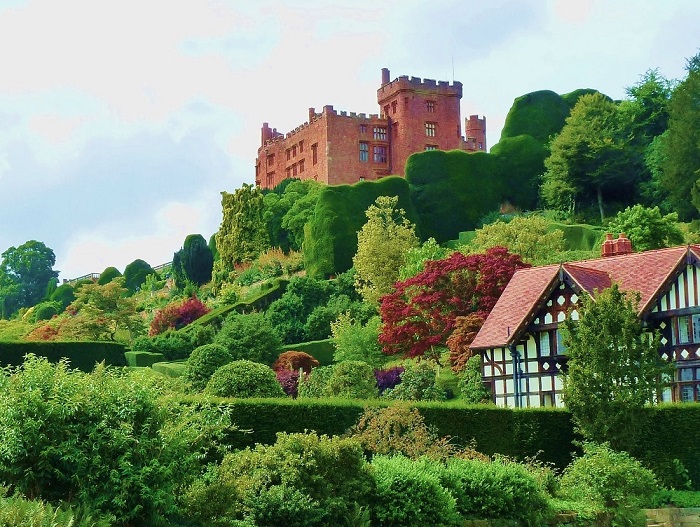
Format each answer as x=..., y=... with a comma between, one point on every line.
x=647, y=228
x=314, y=385
x=202, y=364
x=470, y=383
x=16, y=511
x=330, y=239
x=418, y=383
x=25, y=272
x=355, y=341
x=614, y=367
x=135, y=274
x=352, y=380
x=680, y=164
x=415, y=258
x=408, y=493
x=381, y=245
x=303, y=480
x=249, y=336
x=494, y=490
x=611, y=482
x=174, y=345
x=242, y=235
x=528, y=236
x=63, y=294
x=100, y=439
x=46, y=310
x=193, y=263
x=100, y=311
x=244, y=378
x=287, y=211
x=109, y=274
x=590, y=162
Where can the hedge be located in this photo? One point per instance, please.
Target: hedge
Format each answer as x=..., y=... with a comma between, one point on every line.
x=142, y=359
x=321, y=350
x=82, y=355
x=169, y=369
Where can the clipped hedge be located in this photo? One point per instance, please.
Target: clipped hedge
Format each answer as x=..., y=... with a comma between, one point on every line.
x=170, y=369
x=321, y=350
x=82, y=355
x=142, y=359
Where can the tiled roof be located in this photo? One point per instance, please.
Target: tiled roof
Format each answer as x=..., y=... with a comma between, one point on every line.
x=646, y=272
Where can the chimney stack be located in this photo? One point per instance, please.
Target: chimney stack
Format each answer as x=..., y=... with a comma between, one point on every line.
x=610, y=247
x=386, y=76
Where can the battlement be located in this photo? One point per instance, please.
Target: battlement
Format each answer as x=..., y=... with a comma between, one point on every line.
x=406, y=83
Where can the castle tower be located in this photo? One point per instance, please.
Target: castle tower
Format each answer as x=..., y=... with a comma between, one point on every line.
x=475, y=131
x=423, y=115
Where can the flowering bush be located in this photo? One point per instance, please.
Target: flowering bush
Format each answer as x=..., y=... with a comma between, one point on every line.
x=389, y=378
x=176, y=316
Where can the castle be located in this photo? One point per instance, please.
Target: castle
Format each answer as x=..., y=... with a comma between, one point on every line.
x=343, y=148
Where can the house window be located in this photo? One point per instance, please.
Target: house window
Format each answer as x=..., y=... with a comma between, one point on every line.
x=430, y=129
x=364, y=151
x=561, y=348
x=363, y=128
x=301, y=146
x=314, y=153
x=430, y=106
x=380, y=133
x=687, y=329
x=545, y=347
x=380, y=154
x=689, y=383
x=431, y=147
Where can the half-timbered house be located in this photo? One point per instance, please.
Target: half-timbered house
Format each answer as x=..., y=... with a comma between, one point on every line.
x=520, y=342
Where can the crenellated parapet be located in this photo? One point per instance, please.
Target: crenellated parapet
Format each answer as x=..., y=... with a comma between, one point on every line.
x=406, y=83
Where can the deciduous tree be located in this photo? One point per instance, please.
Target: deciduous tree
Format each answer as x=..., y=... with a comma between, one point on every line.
x=614, y=367
x=382, y=244
x=25, y=272
x=420, y=314
x=647, y=228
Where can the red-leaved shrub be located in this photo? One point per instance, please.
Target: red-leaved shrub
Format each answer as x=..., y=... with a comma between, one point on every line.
x=289, y=380
x=293, y=360
x=176, y=316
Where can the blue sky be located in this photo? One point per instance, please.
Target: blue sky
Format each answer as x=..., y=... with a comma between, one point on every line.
x=121, y=122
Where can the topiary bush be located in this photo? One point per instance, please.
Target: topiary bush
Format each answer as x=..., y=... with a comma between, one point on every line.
x=47, y=310
x=135, y=274
x=109, y=274
x=249, y=336
x=64, y=294
x=202, y=364
x=244, y=378
x=411, y=494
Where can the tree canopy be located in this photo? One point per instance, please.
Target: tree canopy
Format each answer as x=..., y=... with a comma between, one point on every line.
x=647, y=228
x=194, y=262
x=25, y=273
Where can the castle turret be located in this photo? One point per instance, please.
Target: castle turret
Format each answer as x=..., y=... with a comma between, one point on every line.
x=475, y=132
x=386, y=76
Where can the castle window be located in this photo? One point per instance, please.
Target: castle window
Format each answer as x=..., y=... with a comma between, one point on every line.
x=289, y=154
x=270, y=159
x=362, y=178
x=481, y=146
x=380, y=133
x=301, y=146
x=363, y=128
x=380, y=154
x=431, y=147
x=393, y=107
x=364, y=151
x=294, y=169
x=270, y=179
x=294, y=151
x=289, y=172
x=430, y=106
x=314, y=153
x=430, y=129
x=301, y=166
x=386, y=110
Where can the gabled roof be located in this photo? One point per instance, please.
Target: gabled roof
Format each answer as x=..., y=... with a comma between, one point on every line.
x=649, y=273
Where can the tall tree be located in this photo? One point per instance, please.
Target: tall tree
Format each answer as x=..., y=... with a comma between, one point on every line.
x=647, y=228
x=589, y=161
x=422, y=311
x=614, y=367
x=25, y=273
x=288, y=211
x=242, y=235
x=680, y=163
x=382, y=244
x=194, y=262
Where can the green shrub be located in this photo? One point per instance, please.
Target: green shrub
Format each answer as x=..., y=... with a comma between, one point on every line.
x=172, y=344
x=47, y=310
x=109, y=274
x=409, y=493
x=16, y=511
x=251, y=337
x=271, y=485
x=612, y=482
x=684, y=499
x=314, y=384
x=202, y=364
x=355, y=341
x=135, y=274
x=64, y=294
x=495, y=490
x=100, y=438
x=244, y=378
x=418, y=383
x=142, y=359
x=352, y=379
x=169, y=369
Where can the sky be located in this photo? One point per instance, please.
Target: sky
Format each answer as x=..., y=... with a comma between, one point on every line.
x=122, y=122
